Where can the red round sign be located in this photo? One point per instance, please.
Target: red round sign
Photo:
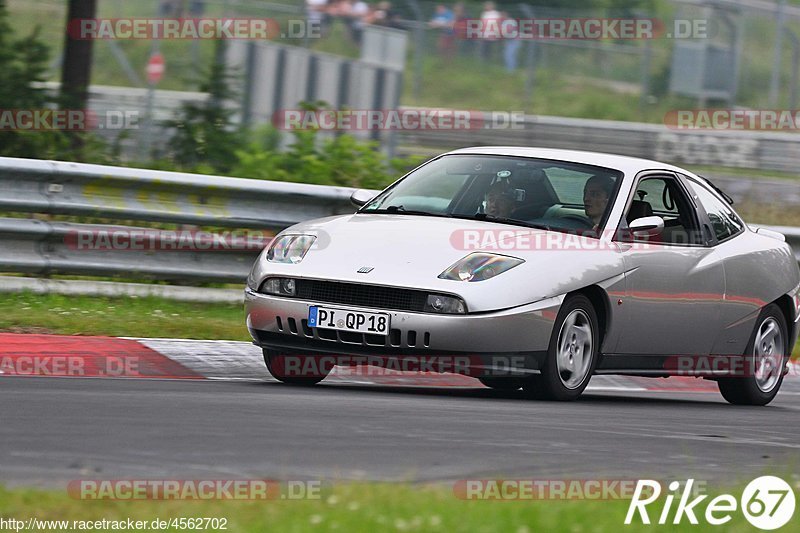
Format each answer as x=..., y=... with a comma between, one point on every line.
x=155, y=68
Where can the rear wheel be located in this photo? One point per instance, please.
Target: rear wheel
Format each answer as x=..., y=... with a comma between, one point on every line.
x=765, y=359
x=572, y=353
x=296, y=370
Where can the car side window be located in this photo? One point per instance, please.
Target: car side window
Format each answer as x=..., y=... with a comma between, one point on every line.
x=665, y=198
x=723, y=220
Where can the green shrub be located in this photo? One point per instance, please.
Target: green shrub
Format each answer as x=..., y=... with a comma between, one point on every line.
x=336, y=160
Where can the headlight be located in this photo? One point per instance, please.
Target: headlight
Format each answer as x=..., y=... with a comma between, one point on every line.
x=480, y=266
x=278, y=286
x=290, y=248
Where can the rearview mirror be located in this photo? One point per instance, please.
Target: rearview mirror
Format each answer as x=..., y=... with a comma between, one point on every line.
x=646, y=227
x=361, y=197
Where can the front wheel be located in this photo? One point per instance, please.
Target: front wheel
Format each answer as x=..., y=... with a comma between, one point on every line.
x=765, y=359
x=571, y=355
x=296, y=370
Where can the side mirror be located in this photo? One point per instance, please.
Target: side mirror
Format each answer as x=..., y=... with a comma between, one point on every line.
x=646, y=227
x=361, y=197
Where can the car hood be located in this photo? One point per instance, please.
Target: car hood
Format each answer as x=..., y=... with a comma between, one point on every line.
x=401, y=246
x=411, y=251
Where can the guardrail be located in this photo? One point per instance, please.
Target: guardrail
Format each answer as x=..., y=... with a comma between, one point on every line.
x=44, y=247
x=743, y=149
x=55, y=187
x=41, y=247
x=52, y=187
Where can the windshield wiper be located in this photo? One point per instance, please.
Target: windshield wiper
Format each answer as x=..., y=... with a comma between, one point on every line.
x=506, y=220
x=400, y=210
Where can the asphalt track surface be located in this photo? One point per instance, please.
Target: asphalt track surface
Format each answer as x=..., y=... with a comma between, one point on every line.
x=53, y=430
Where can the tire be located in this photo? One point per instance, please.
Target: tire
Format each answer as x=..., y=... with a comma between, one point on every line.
x=276, y=365
x=768, y=346
x=575, y=333
x=502, y=383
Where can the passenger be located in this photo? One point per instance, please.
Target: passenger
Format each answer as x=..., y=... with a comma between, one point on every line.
x=596, y=193
x=499, y=202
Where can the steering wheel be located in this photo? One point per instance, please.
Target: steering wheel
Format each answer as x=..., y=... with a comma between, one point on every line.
x=585, y=222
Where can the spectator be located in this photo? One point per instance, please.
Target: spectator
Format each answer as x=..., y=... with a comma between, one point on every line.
x=197, y=8
x=490, y=20
x=444, y=20
x=381, y=14
x=170, y=8
x=460, y=18
x=510, y=42
x=360, y=16
x=386, y=16
x=317, y=14
x=371, y=16
x=341, y=9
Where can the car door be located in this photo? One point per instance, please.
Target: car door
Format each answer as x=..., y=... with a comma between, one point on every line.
x=750, y=268
x=674, y=282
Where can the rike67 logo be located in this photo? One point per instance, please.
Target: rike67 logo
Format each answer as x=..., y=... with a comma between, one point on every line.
x=767, y=503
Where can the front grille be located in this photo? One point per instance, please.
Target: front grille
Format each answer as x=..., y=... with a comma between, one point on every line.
x=393, y=340
x=361, y=295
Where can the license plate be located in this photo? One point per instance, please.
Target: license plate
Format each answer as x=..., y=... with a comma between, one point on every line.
x=346, y=320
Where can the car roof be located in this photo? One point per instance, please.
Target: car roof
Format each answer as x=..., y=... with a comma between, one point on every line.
x=628, y=165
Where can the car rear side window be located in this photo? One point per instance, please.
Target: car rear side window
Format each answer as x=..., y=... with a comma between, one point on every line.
x=723, y=220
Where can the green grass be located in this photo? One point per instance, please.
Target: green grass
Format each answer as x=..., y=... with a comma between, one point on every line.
x=364, y=507
x=456, y=83
x=122, y=317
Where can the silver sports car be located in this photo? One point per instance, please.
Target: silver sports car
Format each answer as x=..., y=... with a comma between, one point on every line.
x=535, y=269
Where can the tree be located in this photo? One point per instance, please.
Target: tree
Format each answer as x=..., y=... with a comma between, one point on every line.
x=23, y=63
x=77, y=67
x=205, y=133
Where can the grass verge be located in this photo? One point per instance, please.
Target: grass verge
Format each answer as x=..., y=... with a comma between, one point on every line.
x=365, y=507
x=129, y=317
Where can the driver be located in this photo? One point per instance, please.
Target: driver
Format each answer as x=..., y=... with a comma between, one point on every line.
x=596, y=193
x=499, y=202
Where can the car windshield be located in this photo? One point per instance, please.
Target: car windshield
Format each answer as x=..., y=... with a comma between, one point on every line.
x=558, y=195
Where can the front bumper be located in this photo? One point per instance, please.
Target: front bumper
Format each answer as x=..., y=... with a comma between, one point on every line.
x=516, y=337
